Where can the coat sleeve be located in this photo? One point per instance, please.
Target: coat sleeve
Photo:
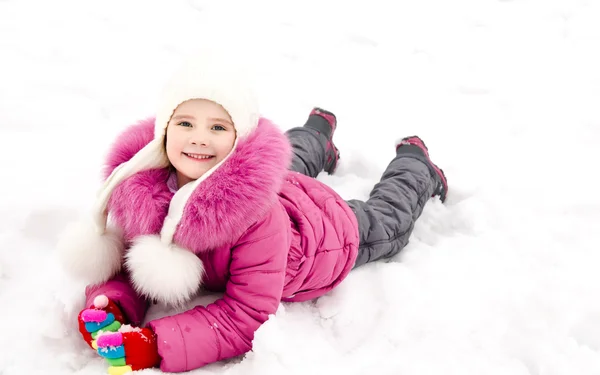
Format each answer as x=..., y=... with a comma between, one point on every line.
x=226, y=328
x=119, y=290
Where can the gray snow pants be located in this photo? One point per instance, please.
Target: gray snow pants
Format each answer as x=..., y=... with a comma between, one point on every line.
x=387, y=218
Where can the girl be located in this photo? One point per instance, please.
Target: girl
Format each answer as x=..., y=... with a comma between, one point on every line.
x=209, y=193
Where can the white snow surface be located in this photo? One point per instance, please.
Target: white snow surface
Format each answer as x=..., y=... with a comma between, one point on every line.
x=502, y=279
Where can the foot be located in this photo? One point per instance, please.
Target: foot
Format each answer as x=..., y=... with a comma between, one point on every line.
x=324, y=122
x=414, y=144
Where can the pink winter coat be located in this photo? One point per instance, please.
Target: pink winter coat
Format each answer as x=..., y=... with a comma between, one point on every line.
x=263, y=233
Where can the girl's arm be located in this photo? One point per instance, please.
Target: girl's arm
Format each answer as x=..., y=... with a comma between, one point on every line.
x=226, y=328
x=120, y=291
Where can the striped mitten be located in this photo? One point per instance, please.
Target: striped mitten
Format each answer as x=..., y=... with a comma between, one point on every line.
x=129, y=349
x=103, y=316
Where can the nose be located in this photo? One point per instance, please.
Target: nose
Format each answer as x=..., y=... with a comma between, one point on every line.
x=199, y=138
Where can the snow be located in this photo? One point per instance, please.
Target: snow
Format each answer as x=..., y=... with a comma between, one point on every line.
x=502, y=279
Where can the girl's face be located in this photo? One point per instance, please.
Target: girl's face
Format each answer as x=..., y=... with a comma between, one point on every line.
x=199, y=135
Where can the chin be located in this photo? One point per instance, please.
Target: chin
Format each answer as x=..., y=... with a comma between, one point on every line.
x=197, y=174
x=193, y=172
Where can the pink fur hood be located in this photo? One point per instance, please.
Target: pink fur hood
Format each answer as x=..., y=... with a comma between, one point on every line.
x=222, y=207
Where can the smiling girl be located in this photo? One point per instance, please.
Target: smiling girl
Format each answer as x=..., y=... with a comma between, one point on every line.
x=209, y=193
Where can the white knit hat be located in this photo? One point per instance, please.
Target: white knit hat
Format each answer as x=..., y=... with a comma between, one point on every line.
x=211, y=75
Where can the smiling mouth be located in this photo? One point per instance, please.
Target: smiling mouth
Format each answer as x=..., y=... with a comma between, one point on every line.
x=199, y=157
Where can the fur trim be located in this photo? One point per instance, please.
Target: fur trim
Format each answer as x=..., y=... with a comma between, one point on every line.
x=238, y=194
x=87, y=255
x=128, y=143
x=140, y=204
x=166, y=273
x=222, y=207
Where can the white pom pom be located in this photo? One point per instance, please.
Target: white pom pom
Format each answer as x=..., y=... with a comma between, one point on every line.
x=89, y=256
x=167, y=273
x=101, y=301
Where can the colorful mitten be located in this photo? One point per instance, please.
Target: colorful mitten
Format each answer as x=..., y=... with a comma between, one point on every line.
x=105, y=315
x=129, y=349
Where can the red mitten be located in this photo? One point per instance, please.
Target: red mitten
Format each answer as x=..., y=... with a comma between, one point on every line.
x=104, y=315
x=130, y=349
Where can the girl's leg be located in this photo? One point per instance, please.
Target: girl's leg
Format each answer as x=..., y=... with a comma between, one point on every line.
x=313, y=149
x=387, y=218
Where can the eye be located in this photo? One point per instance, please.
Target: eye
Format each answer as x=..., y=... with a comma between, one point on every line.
x=218, y=127
x=185, y=123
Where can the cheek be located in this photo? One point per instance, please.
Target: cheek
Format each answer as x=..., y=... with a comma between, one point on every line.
x=229, y=145
x=169, y=146
x=172, y=147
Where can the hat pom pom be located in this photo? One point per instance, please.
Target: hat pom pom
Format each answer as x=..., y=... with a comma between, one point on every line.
x=87, y=255
x=164, y=272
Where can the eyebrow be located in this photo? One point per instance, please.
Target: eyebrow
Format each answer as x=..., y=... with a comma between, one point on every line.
x=221, y=120
x=188, y=117
x=183, y=117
